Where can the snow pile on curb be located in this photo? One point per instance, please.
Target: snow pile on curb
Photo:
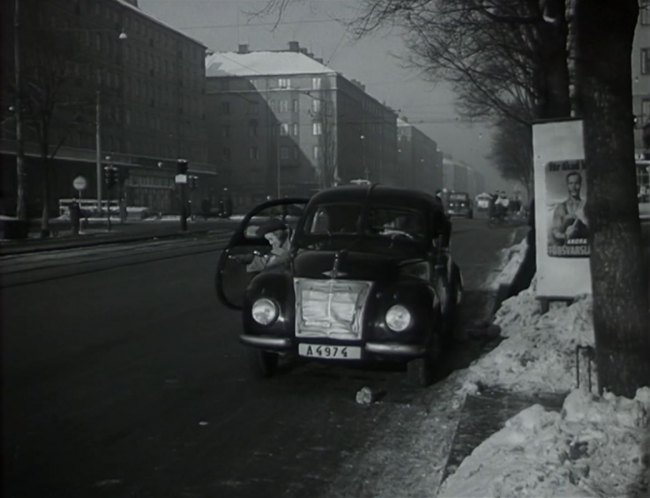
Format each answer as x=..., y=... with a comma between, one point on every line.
x=511, y=260
x=595, y=447
x=538, y=352
x=598, y=446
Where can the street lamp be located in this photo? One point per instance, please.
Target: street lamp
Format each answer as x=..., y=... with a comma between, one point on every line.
x=98, y=138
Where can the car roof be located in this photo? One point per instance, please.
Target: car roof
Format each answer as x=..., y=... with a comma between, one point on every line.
x=382, y=194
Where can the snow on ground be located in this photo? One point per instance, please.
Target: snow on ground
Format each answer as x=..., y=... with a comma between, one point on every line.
x=598, y=446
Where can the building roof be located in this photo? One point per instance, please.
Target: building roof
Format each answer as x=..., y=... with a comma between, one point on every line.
x=135, y=8
x=263, y=63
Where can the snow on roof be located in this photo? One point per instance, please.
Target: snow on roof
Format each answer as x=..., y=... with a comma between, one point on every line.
x=263, y=63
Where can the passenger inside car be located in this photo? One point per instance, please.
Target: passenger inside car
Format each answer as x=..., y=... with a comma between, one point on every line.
x=277, y=234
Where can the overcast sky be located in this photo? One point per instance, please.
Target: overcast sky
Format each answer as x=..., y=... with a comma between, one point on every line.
x=375, y=61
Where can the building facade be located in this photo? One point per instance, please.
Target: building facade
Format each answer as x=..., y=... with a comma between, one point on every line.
x=641, y=82
x=419, y=160
x=641, y=99
x=123, y=89
x=281, y=123
x=460, y=177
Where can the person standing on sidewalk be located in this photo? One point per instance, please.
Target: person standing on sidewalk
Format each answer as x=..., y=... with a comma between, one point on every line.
x=75, y=216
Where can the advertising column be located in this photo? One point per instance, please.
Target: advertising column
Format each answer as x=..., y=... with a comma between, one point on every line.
x=562, y=229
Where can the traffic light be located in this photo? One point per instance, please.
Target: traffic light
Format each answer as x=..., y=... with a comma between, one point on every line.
x=110, y=176
x=182, y=166
x=193, y=181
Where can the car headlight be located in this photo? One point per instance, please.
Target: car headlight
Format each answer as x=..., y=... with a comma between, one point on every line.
x=398, y=318
x=264, y=311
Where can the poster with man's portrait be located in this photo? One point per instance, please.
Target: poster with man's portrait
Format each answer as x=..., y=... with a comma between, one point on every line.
x=566, y=195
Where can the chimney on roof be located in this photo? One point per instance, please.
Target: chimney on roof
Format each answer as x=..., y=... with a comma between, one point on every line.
x=303, y=50
x=243, y=48
x=294, y=46
x=318, y=59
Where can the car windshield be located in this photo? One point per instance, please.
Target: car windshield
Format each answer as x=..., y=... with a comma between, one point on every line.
x=458, y=197
x=342, y=225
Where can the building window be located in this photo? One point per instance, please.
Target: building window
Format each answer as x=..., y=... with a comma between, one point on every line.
x=225, y=107
x=253, y=153
x=315, y=105
x=284, y=83
x=284, y=129
x=645, y=13
x=316, y=83
x=226, y=154
x=284, y=106
x=317, y=128
x=253, y=107
x=284, y=152
x=645, y=61
x=294, y=129
x=296, y=153
x=645, y=112
x=225, y=131
x=316, y=152
x=252, y=128
x=295, y=106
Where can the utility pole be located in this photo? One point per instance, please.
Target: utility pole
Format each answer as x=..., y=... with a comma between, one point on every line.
x=98, y=150
x=21, y=207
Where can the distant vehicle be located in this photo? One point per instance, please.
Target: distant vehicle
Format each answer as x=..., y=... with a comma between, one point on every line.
x=460, y=204
x=483, y=201
x=368, y=278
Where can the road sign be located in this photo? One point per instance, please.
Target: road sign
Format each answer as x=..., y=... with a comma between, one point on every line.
x=80, y=183
x=181, y=179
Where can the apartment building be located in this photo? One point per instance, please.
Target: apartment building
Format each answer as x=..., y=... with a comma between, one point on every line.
x=641, y=98
x=418, y=157
x=124, y=89
x=641, y=81
x=457, y=176
x=282, y=123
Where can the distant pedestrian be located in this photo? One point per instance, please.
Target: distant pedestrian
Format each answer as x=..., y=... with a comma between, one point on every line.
x=123, y=211
x=75, y=216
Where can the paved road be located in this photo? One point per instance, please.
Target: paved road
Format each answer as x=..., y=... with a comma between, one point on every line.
x=127, y=380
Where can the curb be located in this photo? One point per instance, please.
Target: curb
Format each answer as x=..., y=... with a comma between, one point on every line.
x=74, y=242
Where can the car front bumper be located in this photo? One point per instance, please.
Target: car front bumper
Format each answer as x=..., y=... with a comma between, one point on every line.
x=384, y=349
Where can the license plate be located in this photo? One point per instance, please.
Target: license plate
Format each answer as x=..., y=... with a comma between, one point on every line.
x=329, y=352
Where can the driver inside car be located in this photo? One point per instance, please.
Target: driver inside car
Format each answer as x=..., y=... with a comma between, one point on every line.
x=277, y=234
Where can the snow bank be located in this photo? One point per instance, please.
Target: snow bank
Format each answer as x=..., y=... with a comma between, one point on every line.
x=538, y=352
x=597, y=447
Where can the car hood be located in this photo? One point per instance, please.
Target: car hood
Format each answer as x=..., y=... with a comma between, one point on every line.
x=347, y=265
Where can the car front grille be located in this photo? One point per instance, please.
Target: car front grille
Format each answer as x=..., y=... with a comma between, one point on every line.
x=330, y=308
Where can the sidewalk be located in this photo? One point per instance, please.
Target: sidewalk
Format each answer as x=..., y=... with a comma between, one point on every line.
x=95, y=231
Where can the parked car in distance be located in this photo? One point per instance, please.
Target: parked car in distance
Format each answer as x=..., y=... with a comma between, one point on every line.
x=460, y=204
x=368, y=278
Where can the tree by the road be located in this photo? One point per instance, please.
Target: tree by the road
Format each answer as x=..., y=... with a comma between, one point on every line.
x=604, y=36
x=528, y=60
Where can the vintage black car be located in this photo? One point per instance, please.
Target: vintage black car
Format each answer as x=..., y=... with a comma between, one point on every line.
x=460, y=204
x=367, y=277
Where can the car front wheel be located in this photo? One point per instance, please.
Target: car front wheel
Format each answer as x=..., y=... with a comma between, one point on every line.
x=262, y=364
x=422, y=371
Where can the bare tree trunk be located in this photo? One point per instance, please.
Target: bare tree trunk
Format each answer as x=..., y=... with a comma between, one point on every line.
x=21, y=204
x=604, y=33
